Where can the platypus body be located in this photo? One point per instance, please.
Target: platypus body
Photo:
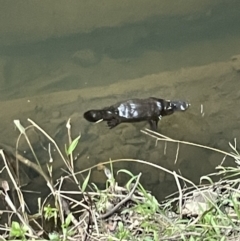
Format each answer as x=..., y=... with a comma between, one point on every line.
x=135, y=110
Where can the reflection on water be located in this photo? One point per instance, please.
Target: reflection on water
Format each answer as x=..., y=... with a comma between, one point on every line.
x=152, y=55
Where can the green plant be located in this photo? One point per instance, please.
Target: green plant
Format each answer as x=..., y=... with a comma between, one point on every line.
x=50, y=212
x=18, y=231
x=66, y=230
x=122, y=232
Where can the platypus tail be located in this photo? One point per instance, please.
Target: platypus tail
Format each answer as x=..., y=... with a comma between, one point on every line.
x=97, y=115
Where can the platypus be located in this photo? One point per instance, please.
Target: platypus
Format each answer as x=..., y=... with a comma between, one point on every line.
x=134, y=110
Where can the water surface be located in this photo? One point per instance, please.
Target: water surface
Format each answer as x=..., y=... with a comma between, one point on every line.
x=58, y=60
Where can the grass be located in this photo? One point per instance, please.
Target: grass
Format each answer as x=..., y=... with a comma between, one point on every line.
x=195, y=212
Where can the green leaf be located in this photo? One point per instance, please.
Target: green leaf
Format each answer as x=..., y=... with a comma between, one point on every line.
x=73, y=145
x=53, y=236
x=16, y=225
x=95, y=187
x=126, y=171
x=68, y=220
x=130, y=181
x=147, y=238
x=85, y=183
x=206, y=178
x=15, y=230
x=191, y=238
x=25, y=228
x=120, y=225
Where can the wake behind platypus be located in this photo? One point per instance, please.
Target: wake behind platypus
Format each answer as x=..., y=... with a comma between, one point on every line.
x=135, y=110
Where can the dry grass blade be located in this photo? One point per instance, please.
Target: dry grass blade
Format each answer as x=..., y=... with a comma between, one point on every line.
x=51, y=139
x=138, y=161
x=180, y=193
x=23, y=217
x=160, y=137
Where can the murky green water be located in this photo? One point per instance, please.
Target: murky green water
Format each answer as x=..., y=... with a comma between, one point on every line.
x=58, y=60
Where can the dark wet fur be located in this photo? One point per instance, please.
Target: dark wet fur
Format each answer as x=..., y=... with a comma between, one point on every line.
x=136, y=110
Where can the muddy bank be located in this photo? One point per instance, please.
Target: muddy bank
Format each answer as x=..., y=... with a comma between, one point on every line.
x=179, y=81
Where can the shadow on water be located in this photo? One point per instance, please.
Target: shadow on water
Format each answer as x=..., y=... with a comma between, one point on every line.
x=60, y=78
